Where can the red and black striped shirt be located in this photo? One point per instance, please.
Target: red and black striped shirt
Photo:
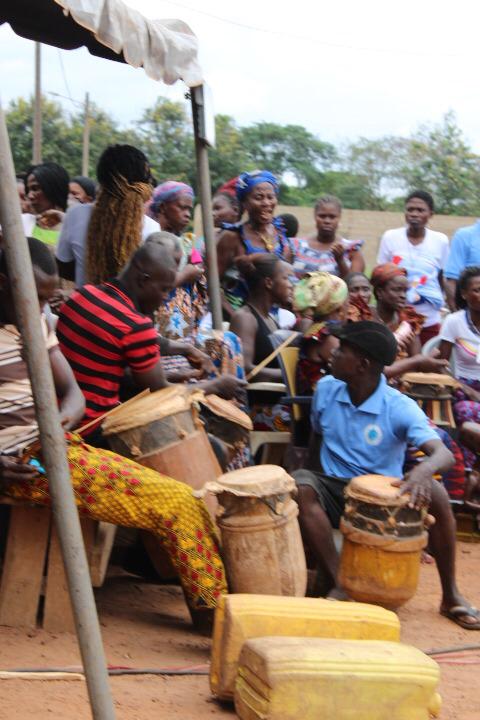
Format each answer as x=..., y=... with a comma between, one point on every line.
x=101, y=333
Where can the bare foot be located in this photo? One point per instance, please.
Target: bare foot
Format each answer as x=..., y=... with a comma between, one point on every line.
x=337, y=593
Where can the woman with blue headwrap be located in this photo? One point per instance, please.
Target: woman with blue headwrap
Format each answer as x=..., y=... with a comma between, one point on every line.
x=257, y=193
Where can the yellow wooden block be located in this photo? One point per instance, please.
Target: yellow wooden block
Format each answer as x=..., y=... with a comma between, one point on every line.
x=324, y=679
x=240, y=617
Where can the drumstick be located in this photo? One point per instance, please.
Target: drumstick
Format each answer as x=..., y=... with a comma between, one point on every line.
x=112, y=411
x=272, y=356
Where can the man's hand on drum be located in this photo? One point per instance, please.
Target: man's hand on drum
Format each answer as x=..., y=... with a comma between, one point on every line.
x=200, y=360
x=418, y=483
x=13, y=470
x=227, y=386
x=431, y=363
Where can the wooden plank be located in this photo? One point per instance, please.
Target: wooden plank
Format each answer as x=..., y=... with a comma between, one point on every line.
x=57, y=612
x=23, y=565
x=101, y=551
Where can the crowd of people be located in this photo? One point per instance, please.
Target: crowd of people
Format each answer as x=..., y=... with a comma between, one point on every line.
x=122, y=285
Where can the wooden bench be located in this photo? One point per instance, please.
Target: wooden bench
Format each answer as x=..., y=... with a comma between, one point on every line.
x=33, y=567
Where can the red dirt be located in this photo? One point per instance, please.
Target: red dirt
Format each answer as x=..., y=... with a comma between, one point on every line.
x=147, y=625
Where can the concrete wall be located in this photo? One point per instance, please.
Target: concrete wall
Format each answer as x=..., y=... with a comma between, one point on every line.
x=367, y=225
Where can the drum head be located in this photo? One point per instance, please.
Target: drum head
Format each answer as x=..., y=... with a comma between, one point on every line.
x=257, y=481
x=376, y=489
x=154, y=406
x=226, y=409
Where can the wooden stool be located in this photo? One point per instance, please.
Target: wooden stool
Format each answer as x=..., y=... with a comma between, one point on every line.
x=33, y=567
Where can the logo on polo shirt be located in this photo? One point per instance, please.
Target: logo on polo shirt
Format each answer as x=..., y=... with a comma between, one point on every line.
x=373, y=434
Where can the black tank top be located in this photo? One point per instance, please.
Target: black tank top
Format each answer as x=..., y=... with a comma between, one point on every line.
x=263, y=346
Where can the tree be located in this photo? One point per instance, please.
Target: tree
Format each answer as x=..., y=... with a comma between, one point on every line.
x=440, y=161
x=164, y=133
x=55, y=140
x=288, y=149
x=104, y=131
x=229, y=157
x=378, y=164
x=62, y=134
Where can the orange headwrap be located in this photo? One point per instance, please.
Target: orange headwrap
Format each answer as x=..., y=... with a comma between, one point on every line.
x=383, y=273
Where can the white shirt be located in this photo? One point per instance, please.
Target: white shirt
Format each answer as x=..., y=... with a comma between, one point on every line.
x=466, y=344
x=73, y=237
x=422, y=262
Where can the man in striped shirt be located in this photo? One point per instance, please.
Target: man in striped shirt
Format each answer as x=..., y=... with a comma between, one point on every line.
x=106, y=330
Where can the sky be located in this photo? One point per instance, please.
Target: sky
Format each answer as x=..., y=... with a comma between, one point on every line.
x=343, y=70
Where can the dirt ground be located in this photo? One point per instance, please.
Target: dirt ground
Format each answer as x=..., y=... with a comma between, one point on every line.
x=147, y=626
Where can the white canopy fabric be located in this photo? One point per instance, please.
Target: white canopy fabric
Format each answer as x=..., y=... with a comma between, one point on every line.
x=166, y=49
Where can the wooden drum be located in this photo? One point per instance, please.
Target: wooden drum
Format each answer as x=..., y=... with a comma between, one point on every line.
x=433, y=392
x=261, y=543
x=162, y=430
x=383, y=540
x=227, y=422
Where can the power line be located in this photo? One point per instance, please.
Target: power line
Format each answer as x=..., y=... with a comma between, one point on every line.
x=310, y=38
x=64, y=74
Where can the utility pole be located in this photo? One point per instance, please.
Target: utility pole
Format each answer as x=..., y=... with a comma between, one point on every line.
x=86, y=137
x=37, y=115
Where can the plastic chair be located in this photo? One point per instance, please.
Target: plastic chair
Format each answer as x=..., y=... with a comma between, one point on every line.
x=270, y=438
x=300, y=404
x=432, y=345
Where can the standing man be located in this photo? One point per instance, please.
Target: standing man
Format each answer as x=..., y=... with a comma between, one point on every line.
x=464, y=252
x=364, y=426
x=423, y=253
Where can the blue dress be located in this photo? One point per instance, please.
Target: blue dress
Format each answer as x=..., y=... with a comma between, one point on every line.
x=234, y=287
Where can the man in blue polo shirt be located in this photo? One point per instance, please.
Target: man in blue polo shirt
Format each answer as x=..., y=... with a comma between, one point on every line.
x=364, y=426
x=464, y=252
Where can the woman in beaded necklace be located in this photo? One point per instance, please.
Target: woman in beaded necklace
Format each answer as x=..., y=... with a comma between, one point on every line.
x=260, y=233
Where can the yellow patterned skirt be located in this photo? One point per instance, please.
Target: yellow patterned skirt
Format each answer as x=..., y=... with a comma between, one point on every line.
x=114, y=489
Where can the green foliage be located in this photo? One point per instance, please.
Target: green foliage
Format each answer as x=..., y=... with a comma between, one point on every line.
x=365, y=174
x=288, y=149
x=164, y=133
x=441, y=161
x=61, y=134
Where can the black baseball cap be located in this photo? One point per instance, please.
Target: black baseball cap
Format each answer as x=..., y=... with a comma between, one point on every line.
x=375, y=339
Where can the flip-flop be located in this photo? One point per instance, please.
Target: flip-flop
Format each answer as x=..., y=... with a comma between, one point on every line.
x=456, y=613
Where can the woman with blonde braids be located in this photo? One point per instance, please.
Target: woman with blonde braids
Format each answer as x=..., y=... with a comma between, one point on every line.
x=97, y=239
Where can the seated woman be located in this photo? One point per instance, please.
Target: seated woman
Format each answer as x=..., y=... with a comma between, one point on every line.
x=325, y=249
x=225, y=208
x=359, y=295
x=390, y=287
x=268, y=281
x=460, y=335
x=171, y=206
x=324, y=299
x=257, y=193
x=107, y=486
x=46, y=188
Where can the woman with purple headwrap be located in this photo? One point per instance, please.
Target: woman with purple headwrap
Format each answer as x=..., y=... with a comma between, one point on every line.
x=172, y=207
x=260, y=233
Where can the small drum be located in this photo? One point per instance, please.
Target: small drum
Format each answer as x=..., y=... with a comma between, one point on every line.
x=433, y=392
x=227, y=422
x=261, y=543
x=162, y=431
x=383, y=540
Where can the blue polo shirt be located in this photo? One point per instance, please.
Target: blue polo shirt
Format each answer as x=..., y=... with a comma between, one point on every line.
x=464, y=251
x=370, y=438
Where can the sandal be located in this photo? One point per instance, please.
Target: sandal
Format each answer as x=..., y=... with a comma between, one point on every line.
x=456, y=612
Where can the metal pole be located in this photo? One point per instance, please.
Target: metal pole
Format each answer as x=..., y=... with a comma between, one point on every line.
x=37, y=115
x=86, y=137
x=52, y=438
x=205, y=194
